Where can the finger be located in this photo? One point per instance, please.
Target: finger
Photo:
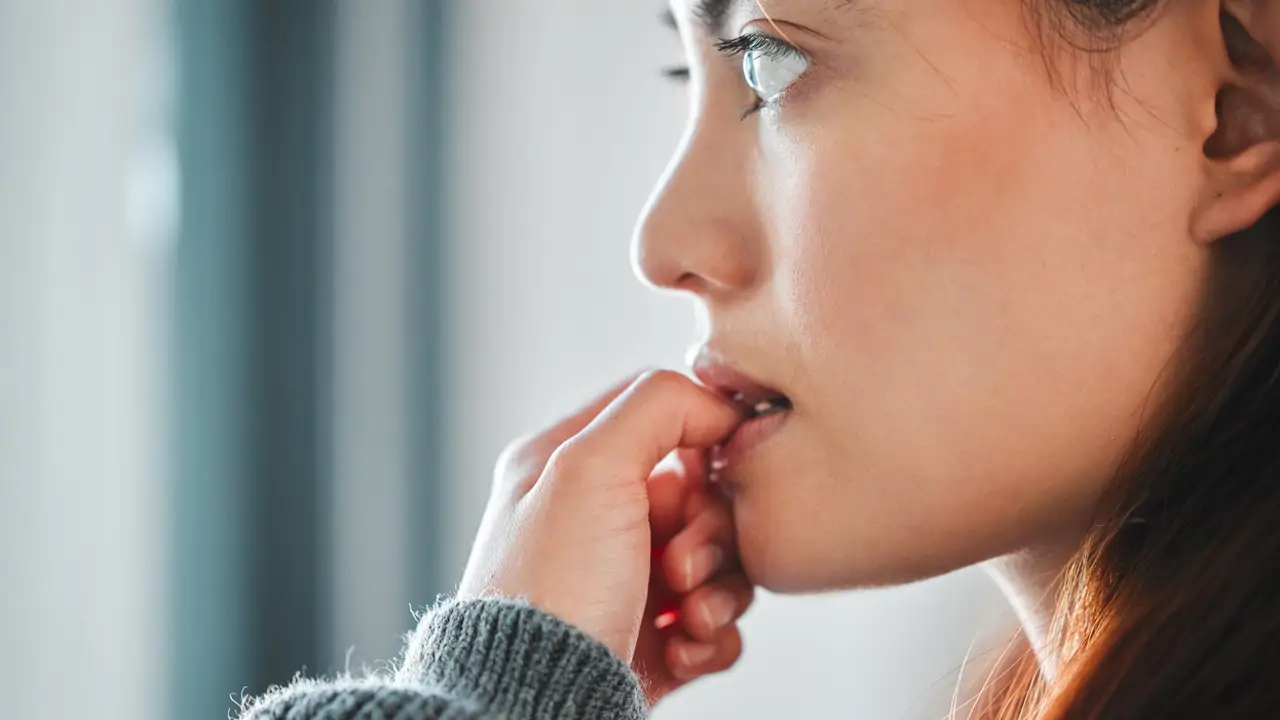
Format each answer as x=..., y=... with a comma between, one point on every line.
x=668, y=496
x=694, y=463
x=699, y=551
x=689, y=659
x=709, y=609
x=527, y=457
x=699, y=500
x=660, y=412
x=575, y=423
x=676, y=490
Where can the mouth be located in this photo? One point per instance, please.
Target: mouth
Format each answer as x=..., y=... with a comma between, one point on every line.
x=764, y=409
x=754, y=397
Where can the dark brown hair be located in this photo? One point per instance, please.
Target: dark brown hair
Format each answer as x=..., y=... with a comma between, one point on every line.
x=1170, y=608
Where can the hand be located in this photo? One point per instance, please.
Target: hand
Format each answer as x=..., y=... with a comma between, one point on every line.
x=577, y=514
x=697, y=589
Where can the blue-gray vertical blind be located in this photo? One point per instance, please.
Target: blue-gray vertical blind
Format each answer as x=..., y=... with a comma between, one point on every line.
x=251, y=338
x=429, y=48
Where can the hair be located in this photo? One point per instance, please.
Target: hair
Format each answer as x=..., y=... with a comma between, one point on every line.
x=1170, y=607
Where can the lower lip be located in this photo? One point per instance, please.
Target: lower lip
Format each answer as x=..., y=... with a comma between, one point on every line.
x=751, y=435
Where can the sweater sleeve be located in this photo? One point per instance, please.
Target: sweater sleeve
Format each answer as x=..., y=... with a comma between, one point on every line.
x=476, y=660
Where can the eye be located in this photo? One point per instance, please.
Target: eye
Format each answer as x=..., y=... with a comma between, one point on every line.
x=769, y=73
x=769, y=65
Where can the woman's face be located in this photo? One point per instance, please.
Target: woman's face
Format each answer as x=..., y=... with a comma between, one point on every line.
x=964, y=271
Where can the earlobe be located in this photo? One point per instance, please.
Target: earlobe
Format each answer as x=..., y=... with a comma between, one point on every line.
x=1241, y=190
x=1243, y=154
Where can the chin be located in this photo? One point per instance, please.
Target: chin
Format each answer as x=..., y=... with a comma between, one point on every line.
x=777, y=557
x=778, y=577
x=775, y=565
x=779, y=551
x=788, y=547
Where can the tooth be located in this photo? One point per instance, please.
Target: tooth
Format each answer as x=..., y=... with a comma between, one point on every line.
x=719, y=464
x=739, y=397
x=764, y=406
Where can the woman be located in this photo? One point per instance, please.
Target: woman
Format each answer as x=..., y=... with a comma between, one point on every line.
x=986, y=281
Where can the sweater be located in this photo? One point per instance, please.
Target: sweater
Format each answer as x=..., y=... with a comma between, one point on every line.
x=475, y=660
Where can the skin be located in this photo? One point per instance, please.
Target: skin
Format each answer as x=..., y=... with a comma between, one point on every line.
x=967, y=268
x=584, y=523
x=968, y=300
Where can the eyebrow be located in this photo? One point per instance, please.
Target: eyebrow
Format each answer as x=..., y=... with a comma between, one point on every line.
x=711, y=14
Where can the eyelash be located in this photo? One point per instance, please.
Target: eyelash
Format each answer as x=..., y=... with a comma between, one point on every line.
x=737, y=47
x=756, y=42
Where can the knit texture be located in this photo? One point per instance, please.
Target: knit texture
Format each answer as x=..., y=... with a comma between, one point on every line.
x=482, y=659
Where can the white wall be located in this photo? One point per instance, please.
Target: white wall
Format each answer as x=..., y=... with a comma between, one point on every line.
x=561, y=125
x=86, y=207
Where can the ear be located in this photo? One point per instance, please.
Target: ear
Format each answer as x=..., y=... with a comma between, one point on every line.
x=1243, y=154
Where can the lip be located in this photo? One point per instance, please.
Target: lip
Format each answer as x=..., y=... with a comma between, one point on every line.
x=749, y=436
x=735, y=385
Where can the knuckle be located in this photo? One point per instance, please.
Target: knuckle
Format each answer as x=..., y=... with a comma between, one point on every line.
x=573, y=459
x=521, y=462
x=514, y=453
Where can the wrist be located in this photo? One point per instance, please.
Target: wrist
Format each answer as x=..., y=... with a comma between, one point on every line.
x=516, y=660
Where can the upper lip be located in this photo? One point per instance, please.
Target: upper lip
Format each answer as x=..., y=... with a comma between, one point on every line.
x=716, y=373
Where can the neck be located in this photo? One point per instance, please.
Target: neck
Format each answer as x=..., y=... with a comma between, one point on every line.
x=1030, y=580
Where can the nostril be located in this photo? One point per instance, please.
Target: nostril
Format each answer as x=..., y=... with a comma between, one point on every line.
x=689, y=282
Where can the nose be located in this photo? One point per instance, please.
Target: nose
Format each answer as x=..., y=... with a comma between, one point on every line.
x=697, y=232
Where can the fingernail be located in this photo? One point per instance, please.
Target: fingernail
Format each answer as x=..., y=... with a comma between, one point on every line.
x=694, y=654
x=718, y=609
x=701, y=563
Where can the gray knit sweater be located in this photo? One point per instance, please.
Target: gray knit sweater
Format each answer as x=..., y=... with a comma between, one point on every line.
x=476, y=660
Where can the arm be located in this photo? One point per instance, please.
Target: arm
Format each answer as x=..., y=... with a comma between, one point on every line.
x=474, y=660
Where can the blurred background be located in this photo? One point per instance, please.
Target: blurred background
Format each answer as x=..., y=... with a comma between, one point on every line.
x=278, y=280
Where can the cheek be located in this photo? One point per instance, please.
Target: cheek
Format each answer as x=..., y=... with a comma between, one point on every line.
x=979, y=332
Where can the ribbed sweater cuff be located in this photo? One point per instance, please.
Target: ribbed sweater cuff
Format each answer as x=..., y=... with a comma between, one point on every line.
x=519, y=662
